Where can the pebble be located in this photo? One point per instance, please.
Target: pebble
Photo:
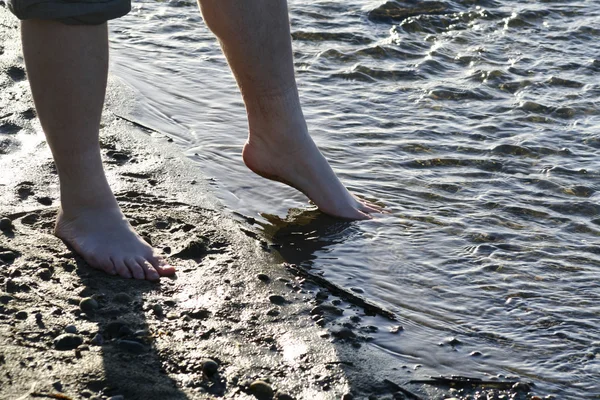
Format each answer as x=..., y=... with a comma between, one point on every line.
x=454, y=342
x=45, y=274
x=283, y=396
x=521, y=387
x=273, y=312
x=67, y=341
x=209, y=367
x=122, y=298
x=58, y=386
x=5, y=298
x=22, y=315
x=263, y=277
x=343, y=333
x=199, y=313
x=88, y=305
x=396, y=329
x=322, y=295
x=475, y=354
x=7, y=256
x=157, y=310
x=131, y=346
x=316, y=310
x=277, y=299
x=98, y=340
x=347, y=396
x=71, y=329
x=6, y=225
x=261, y=390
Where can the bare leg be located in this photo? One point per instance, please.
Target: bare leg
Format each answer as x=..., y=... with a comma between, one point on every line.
x=67, y=68
x=255, y=37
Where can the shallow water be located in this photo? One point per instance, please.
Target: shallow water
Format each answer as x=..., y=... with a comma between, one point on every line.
x=477, y=126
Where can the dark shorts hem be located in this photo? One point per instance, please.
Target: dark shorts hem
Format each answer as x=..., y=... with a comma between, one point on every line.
x=77, y=12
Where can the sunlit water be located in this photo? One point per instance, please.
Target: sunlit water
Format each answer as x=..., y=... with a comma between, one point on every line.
x=479, y=129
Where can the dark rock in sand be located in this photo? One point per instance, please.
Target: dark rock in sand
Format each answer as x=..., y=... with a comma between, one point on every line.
x=98, y=340
x=131, y=346
x=22, y=315
x=199, y=313
x=122, y=298
x=88, y=305
x=316, y=310
x=30, y=219
x=67, y=341
x=277, y=299
x=263, y=277
x=16, y=73
x=8, y=256
x=347, y=396
x=14, y=287
x=45, y=274
x=6, y=225
x=475, y=354
x=454, y=342
x=273, y=312
x=116, y=329
x=394, y=11
x=45, y=201
x=158, y=311
x=261, y=390
x=71, y=329
x=58, y=386
x=209, y=367
x=343, y=333
x=5, y=298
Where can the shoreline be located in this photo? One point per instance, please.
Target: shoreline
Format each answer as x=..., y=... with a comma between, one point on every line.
x=233, y=315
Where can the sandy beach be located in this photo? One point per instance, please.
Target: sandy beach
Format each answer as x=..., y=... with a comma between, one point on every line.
x=235, y=321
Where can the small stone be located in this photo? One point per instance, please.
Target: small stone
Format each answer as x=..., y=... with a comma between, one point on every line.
x=521, y=387
x=277, y=299
x=97, y=340
x=58, y=386
x=199, y=313
x=322, y=295
x=396, y=329
x=30, y=219
x=88, y=305
x=454, y=341
x=45, y=274
x=273, y=312
x=38, y=317
x=122, y=298
x=5, y=298
x=172, y=316
x=157, y=310
x=22, y=315
x=261, y=390
x=67, y=341
x=71, y=329
x=8, y=256
x=131, y=346
x=347, y=396
x=263, y=277
x=209, y=367
x=45, y=201
x=6, y=225
x=316, y=310
x=343, y=333
x=475, y=354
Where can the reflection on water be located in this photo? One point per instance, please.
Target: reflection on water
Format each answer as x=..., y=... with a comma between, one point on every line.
x=475, y=122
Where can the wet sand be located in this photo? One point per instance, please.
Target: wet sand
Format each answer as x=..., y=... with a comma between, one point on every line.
x=235, y=322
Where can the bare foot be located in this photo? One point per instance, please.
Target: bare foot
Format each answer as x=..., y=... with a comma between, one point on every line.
x=280, y=148
x=106, y=241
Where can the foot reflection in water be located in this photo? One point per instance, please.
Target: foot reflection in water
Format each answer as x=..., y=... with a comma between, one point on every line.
x=303, y=235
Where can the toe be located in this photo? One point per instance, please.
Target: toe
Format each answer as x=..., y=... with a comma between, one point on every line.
x=136, y=270
x=149, y=271
x=102, y=264
x=162, y=267
x=120, y=268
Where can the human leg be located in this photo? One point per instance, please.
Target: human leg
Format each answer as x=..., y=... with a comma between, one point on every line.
x=67, y=66
x=255, y=37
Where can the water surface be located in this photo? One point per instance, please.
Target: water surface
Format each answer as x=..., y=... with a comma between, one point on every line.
x=476, y=124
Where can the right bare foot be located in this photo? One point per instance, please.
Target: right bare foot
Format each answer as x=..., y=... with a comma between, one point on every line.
x=279, y=148
x=106, y=241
